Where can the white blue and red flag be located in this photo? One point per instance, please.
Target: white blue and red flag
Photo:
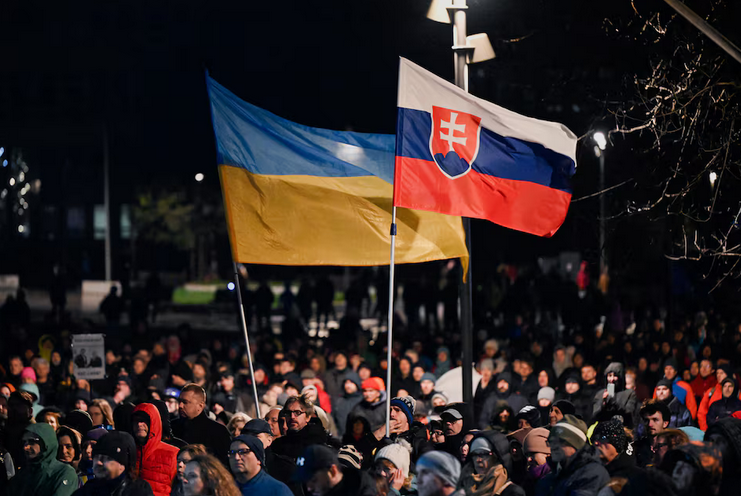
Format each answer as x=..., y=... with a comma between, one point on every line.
x=459, y=155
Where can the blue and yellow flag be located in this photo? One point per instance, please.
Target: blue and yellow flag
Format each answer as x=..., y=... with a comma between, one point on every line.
x=297, y=195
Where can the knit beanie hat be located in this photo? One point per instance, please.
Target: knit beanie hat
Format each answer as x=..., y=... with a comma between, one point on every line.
x=547, y=393
x=373, y=383
x=531, y=414
x=671, y=362
x=350, y=456
x=566, y=407
x=571, y=431
x=119, y=446
x=725, y=367
x=254, y=444
x=398, y=454
x=536, y=441
x=79, y=421
x=443, y=465
x=407, y=405
x=665, y=382
x=428, y=376
x=611, y=432
x=440, y=396
x=28, y=373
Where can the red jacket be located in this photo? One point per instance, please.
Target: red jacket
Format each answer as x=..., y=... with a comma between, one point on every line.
x=156, y=462
x=700, y=385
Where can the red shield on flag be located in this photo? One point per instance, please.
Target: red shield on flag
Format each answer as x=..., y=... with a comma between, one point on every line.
x=454, y=142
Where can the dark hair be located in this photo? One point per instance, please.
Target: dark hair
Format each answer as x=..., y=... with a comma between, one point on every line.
x=217, y=480
x=74, y=436
x=652, y=406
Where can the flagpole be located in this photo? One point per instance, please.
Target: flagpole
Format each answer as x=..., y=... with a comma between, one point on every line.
x=389, y=337
x=238, y=288
x=461, y=52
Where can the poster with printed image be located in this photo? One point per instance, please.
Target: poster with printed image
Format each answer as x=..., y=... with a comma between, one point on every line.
x=88, y=355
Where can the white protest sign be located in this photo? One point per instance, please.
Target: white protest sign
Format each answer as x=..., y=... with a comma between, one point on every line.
x=88, y=352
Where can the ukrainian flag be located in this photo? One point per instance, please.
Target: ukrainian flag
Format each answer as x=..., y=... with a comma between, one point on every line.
x=296, y=195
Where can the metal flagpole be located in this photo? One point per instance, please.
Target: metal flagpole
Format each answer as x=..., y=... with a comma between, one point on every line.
x=461, y=52
x=246, y=337
x=390, y=337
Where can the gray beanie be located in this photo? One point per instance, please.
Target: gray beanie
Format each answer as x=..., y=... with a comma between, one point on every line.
x=443, y=465
x=547, y=393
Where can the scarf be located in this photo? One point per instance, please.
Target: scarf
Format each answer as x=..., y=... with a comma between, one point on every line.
x=493, y=482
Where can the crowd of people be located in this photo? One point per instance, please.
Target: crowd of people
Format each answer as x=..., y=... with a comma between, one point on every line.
x=647, y=409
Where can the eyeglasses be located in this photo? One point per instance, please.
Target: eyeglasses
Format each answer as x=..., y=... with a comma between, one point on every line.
x=437, y=433
x=241, y=452
x=294, y=413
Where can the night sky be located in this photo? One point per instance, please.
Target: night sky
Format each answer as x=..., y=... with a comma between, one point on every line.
x=69, y=69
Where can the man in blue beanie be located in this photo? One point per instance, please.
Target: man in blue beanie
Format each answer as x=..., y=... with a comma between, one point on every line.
x=247, y=460
x=402, y=425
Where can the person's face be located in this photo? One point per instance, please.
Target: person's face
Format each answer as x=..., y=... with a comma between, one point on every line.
x=192, y=482
x=123, y=388
x=525, y=370
x=5, y=392
x=227, y=383
x=662, y=392
x=612, y=378
x=81, y=405
x=630, y=380
x=340, y=361
x=141, y=430
x=16, y=366
x=106, y=468
x=560, y=355
x=504, y=417
x=588, y=374
x=417, y=373
x=543, y=378
x=720, y=375
x=544, y=402
x=399, y=418
x=56, y=359
x=199, y=372
x=31, y=446
x=297, y=418
x=364, y=373
x=502, y=386
x=183, y=458
x=554, y=415
x=139, y=366
x=272, y=419
x=351, y=387
x=172, y=405
x=453, y=427
x=655, y=423
x=642, y=364
x=404, y=367
x=694, y=369
x=486, y=374
x=87, y=450
x=607, y=452
x=438, y=401
x=683, y=475
x=665, y=348
x=482, y=462
x=66, y=450
x=523, y=424
x=371, y=395
x=536, y=459
x=320, y=483
x=236, y=428
x=259, y=376
x=52, y=421
x=285, y=367
x=670, y=372
x=427, y=387
x=727, y=389
x=96, y=414
x=558, y=454
x=706, y=368
x=428, y=484
x=242, y=459
x=191, y=405
x=437, y=436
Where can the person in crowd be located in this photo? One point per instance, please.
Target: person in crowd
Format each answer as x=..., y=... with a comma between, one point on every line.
x=185, y=455
x=487, y=471
x=704, y=380
x=529, y=417
x=573, y=393
x=504, y=392
x=527, y=385
x=373, y=405
x=725, y=435
x=50, y=415
x=101, y=413
x=156, y=461
x=454, y=428
x=205, y=475
x=615, y=399
x=666, y=441
x=695, y=468
x=113, y=461
x=558, y=410
x=537, y=454
x=589, y=385
x=335, y=378
x=611, y=441
x=655, y=415
x=343, y=404
x=403, y=426
x=20, y=416
x=579, y=470
x=302, y=430
x=42, y=474
x=393, y=462
x=680, y=389
x=727, y=405
x=247, y=463
x=321, y=472
x=438, y=474
x=70, y=446
x=237, y=423
x=680, y=416
x=194, y=427
x=426, y=392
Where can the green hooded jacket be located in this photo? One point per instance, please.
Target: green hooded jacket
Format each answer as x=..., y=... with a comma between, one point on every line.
x=45, y=476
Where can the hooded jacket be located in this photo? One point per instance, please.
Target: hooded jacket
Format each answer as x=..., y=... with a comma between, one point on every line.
x=708, y=398
x=344, y=404
x=724, y=407
x=514, y=400
x=624, y=403
x=156, y=462
x=730, y=430
x=375, y=412
x=583, y=475
x=680, y=415
x=481, y=485
x=34, y=390
x=44, y=476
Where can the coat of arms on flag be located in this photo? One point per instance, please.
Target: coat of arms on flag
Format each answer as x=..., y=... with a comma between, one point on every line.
x=454, y=141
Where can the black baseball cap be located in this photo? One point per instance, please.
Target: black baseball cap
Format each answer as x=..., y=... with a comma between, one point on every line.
x=257, y=426
x=315, y=457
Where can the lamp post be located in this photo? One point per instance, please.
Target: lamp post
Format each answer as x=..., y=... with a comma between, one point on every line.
x=599, y=151
x=466, y=49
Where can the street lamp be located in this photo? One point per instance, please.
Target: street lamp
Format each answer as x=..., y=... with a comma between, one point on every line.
x=199, y=177
x=713, y=176
x=599, y=151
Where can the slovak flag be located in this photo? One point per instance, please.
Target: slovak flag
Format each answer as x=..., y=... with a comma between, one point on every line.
x=459, y=155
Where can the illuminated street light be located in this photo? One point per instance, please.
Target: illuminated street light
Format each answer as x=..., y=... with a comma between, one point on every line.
x=21, y=229
x=11, y=181
x=713, y=177
x=199, y=177
x=599, y=138
x=230, y=286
